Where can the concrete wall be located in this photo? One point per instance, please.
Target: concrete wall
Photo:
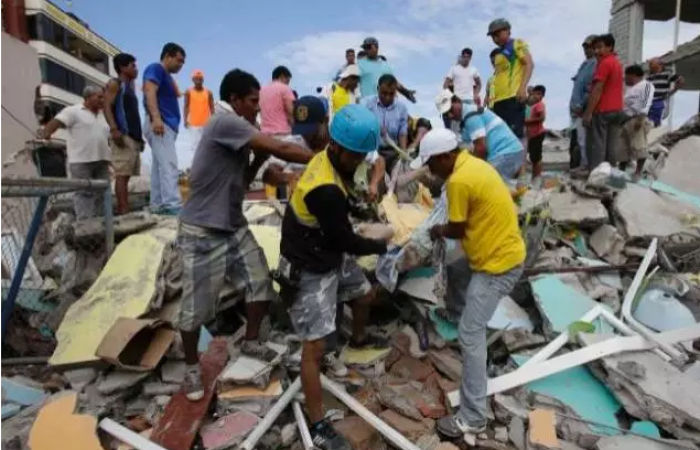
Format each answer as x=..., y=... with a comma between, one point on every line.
x=627, y=25
x=20, y=77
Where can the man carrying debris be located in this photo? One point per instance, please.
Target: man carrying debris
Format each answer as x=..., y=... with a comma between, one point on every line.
x=604, y=107
x=214, y=238
x=639, y=95
x=483, y=217
x=87, y=147
x=122, y=114
x=372, y=67
x=318, y=274
x=492, y=138
x=513, y=68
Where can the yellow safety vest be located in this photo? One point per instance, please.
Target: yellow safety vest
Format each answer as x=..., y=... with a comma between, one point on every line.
x=318, y=172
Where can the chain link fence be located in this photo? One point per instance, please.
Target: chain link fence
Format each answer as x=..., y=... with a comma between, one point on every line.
x=49, y=257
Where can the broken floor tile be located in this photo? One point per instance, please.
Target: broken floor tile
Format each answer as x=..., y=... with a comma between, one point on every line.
x=362, y=436
x=411, y=368
x=79, y=378
x=173, y=372
x=578, y=389
x=14, y=391
x=516, y=433
x=666, y=396
x=178, y=427
x=228, y=431
x=247, y=393
x=246, y=370
x=411, y=429
x=572, y=209
x=646, y=428
x=542, y=431
x=561, y=305
x=510, y=315
x=392, y=398
x=119, y=380
x=447, y=363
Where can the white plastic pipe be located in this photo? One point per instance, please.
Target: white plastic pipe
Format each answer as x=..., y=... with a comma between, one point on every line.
x=269, y=419
x=127, y=436
x=677, y=357
x=303, y=427
x=391, y=434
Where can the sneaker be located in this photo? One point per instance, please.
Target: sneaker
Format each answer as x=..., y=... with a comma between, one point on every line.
x=371, y=341
x=324, y=437
x=447, y=315
x=454, y=428
x=334, y=365
x=194, y=389
x=258, y=350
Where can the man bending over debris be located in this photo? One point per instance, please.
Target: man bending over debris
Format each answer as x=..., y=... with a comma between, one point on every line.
x=317, y=271
x=483, y=217
x=213, y=236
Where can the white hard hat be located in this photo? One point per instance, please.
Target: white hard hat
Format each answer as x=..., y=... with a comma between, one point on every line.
x=350, y=71
x=435, y=142
x=443, y=102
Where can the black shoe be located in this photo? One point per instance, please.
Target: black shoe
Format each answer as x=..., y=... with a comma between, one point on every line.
x=324, y=437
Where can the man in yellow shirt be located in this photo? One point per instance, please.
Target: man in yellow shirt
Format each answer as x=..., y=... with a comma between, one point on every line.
x=483, y=217
x=513, y=67
x=343, y=92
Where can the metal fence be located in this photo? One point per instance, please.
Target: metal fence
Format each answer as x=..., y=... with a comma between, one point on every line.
x=49, y=258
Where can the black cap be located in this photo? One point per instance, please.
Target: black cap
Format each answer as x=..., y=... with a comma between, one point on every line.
x=369, y=41
x=309, y=113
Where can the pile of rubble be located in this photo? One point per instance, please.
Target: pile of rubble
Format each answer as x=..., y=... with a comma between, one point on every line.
x=596, y=348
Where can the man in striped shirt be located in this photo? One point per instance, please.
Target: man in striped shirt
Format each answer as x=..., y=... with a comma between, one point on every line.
x=639, y=94
x=666, y=83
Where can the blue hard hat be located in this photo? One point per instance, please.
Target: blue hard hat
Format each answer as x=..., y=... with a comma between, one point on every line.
x=356, y=128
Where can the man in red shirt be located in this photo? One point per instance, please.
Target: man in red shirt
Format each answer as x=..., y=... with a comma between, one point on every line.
x=534, y=125
x=604, y=108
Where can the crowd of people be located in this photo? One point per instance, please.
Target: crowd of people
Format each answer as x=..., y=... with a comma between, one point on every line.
x=310, y=150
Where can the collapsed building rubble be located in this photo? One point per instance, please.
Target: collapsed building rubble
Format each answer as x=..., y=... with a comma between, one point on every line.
x=567, y=367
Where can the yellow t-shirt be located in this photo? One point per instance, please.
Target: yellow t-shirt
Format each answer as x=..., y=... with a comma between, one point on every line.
x=477, y=195
x=340, y=98
x=508, y=72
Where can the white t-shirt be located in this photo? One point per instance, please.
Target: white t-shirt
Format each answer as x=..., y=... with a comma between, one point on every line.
x=638, y=98
x=463, y=80
x=88, y=134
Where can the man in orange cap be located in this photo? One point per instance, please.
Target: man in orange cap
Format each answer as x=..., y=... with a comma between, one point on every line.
x=199, y=102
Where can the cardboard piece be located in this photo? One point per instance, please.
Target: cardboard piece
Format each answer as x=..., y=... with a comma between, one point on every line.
x=58, y=424
x=543, y=432
x=136, y=344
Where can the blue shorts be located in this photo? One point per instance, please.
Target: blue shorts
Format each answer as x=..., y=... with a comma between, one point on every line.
x=656, y=112
x=508, y=165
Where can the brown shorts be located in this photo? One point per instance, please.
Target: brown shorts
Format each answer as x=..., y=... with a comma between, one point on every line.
x=127, y=159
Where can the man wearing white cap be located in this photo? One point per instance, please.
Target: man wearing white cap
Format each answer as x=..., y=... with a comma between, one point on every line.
x=483, y=217
x=343, y=92
x=493, y=139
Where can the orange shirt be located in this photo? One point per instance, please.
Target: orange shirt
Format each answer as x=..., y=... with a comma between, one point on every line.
x=199, y=109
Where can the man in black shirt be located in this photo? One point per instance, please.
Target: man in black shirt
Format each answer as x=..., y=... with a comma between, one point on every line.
x=124, y=119
x=666, y=83
x=317, y=238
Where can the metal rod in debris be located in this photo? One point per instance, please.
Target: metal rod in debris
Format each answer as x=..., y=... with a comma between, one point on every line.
x=584, y=269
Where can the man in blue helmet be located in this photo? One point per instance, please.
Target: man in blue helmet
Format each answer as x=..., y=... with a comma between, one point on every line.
x=317, y=272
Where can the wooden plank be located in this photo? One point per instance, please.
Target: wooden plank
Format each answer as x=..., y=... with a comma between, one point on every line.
x=181, y=420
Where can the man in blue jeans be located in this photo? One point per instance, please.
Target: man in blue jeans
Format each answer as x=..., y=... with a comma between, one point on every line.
x=492, y=138
x=161, y=127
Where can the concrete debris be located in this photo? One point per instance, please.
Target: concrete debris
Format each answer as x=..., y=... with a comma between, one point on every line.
x=447, y=363
x=428, y=442
x=634, y=443
x=362, y=436
x=501, y=434
x=228, y=431
x=568, y=208
x=518, y=339
x=173, y=371
x=155, y=388
x=608, y=244
x=79, y=378
x=516, y=433
x=120, y=380
x=412, y=429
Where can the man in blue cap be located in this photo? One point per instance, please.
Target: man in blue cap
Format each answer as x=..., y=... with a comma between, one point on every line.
x=317, y=272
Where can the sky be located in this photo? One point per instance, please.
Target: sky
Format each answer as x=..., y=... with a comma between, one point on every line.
x=420, y=38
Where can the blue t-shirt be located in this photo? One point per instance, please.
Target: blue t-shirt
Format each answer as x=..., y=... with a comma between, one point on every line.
x=500, y=139
x=167, y=95
x=370, y=72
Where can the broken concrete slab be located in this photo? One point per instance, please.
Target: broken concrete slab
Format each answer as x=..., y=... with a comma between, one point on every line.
x=561, y=305
x=579, y=390
x=173, y=371
x=79, y=378
x=391, y=397
x=247, y=393
x=510, y=315
x=608, y=244
x=568, y=208
x=360, y=434
x=178, y=427
x=94, y=228
x=516, y=432
x=665, y=395
x=542, y=431
x=411, y=368
x=645, y=213
x=246, y=370
x=228, y=431
x=119, y=380
x=634, y=443
x=155, y=388
x=412, y=429
x=682, y=166
x=447, y=362
x=518, y=339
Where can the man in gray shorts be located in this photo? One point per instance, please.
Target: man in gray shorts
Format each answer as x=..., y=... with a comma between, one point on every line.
x=214, y=238
x=316, y=270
